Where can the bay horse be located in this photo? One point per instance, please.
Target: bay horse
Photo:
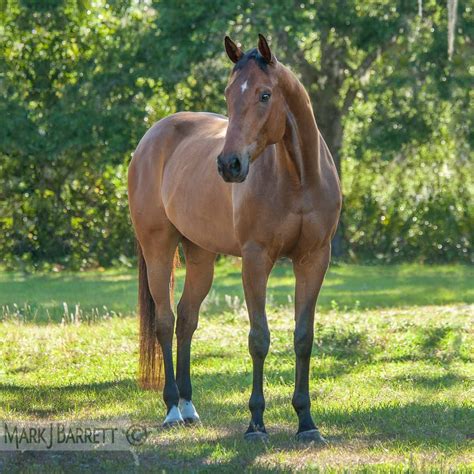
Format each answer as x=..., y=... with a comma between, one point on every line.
x=274, y=193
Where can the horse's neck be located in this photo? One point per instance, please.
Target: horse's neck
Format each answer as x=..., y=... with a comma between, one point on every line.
x=301, y=139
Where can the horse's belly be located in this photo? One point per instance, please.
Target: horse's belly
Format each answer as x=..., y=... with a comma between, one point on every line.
x=215, y=236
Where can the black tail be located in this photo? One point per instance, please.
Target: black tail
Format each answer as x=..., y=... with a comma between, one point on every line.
x=151, y=357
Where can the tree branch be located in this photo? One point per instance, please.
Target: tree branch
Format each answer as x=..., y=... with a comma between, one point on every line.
x=366, y=64
x=362, y=70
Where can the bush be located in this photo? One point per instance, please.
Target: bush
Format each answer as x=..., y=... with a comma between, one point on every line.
x=416, y=207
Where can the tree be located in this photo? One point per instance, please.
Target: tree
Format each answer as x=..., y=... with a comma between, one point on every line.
x=81, y=81
x=70, y=113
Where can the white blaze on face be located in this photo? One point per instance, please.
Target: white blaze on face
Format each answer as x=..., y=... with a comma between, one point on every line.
x=244, y=86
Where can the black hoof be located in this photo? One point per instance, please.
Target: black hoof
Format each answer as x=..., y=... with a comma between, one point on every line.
x=172, y=424
x=256, y=435
x=311, y=436
x=192, y=421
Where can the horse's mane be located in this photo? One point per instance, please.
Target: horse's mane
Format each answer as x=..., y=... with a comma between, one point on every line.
x=253, y=54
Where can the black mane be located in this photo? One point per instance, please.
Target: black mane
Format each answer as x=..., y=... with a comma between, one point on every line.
x=252, y=54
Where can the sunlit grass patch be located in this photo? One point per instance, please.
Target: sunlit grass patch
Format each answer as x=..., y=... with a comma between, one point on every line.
x=390, y=388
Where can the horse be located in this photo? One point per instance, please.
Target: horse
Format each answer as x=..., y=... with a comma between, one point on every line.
x=260, y=185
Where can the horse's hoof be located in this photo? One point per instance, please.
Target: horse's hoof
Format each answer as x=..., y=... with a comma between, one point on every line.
x=168, y=425
x=192, y=421
x=311, y=436
x=173, y=418
x=256, y=435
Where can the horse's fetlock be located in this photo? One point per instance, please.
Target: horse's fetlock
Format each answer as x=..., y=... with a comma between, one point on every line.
x=301, y=401
x=171, y=394
x=257, y=402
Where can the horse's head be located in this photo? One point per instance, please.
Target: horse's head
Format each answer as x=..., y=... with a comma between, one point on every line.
x=255, y=106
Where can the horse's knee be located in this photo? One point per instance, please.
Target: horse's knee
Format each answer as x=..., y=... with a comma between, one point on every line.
x=187, y=322
x=259, y=342
x=164, y=326
x=303, y=342
x=185, y=327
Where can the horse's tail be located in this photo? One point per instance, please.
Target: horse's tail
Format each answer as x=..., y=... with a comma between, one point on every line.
x=176, y=264
x=151, y=357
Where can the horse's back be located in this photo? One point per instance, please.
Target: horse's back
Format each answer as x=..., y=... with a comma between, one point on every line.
x=161, y=141
x=165, y=135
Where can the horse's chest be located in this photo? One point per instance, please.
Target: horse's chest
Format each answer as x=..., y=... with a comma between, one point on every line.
x=269, y=222
x=285, y=222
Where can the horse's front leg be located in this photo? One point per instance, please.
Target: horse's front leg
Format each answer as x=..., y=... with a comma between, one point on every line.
x=309, y=273
x=256, y=267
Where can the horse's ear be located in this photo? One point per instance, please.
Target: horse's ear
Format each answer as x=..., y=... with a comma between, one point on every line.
x=232, y=50
x=264, y=49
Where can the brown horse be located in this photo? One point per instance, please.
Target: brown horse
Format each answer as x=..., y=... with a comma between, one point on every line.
x=274, y=192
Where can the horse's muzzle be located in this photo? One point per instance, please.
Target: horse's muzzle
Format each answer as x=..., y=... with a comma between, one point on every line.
x=233, y=168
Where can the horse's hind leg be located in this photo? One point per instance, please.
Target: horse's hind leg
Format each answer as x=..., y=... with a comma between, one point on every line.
x=199, y=274
x=159, y=248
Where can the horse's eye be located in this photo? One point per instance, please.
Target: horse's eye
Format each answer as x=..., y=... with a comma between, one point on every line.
x=265, y=97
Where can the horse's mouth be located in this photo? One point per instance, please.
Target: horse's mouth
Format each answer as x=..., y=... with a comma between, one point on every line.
x=234, y=179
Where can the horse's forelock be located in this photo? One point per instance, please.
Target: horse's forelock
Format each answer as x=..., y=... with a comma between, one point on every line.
x=253, y=54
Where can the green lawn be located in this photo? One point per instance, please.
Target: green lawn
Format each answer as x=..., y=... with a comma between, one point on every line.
x=42, y=297
x=392, y=375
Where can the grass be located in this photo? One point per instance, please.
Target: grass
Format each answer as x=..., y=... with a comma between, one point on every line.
x=41, y=297
x=392, y=375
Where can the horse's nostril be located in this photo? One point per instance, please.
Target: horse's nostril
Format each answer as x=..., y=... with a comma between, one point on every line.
x=234, y=165
x=220, y=165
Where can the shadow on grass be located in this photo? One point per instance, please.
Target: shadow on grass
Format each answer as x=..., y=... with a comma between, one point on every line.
x=414, y=425
x=431, y=382
x=44, y=401
x=403, y=421
x=381, y=286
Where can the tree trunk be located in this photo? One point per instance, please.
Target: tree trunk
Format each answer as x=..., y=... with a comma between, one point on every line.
x=330, y=125
x=329, y=120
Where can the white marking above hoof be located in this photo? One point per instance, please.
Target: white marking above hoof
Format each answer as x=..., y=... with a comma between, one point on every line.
x=173, y=417
x=188, y=412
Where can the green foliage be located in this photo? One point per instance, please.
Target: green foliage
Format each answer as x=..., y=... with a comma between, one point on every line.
x=81, y=81
x=342, y=342
x=71, y=113
x=416, y=207
x=99, y=294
